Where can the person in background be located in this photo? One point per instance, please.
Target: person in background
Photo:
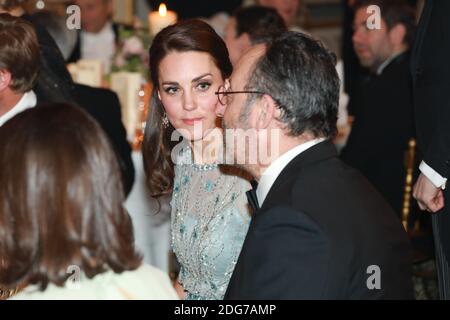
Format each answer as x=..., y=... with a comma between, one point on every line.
x=382, y=104
x=65, y=233
x=54, y=81
x=249, y=26
x=102, y=104
x=98, y=35
x=32, y=76
x=65, y=38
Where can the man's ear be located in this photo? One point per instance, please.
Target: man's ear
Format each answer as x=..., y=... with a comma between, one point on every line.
x=264, y=112
x=397, y=34
x=5, y=79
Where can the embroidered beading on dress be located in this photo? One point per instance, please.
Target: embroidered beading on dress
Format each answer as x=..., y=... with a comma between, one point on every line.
x=210, y=219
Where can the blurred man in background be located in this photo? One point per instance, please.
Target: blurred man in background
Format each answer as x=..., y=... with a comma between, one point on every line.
x=382, y=103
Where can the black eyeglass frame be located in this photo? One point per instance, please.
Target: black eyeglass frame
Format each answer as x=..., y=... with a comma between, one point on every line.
x=225, y=93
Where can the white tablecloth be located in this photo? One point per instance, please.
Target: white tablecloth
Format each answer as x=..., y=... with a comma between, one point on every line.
x=151, y=229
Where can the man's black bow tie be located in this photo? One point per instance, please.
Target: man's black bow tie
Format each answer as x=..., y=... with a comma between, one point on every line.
x=251, y=196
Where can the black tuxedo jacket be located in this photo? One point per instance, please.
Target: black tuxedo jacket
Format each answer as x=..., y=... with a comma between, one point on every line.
x=103, y=105
x=318, y=235
x=430, y=67
x=76, y=52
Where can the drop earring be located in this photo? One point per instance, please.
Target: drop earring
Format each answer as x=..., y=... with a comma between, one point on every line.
x=165, y=121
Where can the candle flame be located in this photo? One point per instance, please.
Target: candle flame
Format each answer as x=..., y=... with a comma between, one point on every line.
x=162, y=10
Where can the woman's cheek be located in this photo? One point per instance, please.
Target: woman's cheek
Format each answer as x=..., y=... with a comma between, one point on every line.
x=209, y=103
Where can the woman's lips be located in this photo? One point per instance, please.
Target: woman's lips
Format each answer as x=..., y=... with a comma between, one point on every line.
x=192, y=121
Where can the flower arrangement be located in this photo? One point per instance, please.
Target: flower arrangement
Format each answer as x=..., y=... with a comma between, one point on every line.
x=132, y=52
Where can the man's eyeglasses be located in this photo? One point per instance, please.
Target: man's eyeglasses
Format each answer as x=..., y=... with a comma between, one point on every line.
x=222, y=94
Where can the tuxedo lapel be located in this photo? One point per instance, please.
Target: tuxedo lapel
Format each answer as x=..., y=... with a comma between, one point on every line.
x=252, y=197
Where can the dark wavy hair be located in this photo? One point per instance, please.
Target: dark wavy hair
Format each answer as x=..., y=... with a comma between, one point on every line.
x=61, y=199
x=187, y=35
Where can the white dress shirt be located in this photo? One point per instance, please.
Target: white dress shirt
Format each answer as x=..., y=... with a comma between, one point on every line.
x=99, y=46
x=269, y=176
x=27, y=101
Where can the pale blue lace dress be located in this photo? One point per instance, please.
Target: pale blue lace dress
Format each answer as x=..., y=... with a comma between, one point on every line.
x=210, y=219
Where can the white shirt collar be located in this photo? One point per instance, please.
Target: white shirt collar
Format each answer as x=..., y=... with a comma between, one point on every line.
x=273, y=171
x=27, y=101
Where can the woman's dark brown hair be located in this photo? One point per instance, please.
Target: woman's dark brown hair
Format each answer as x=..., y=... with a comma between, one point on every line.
x=187, y=35
x=61, y=199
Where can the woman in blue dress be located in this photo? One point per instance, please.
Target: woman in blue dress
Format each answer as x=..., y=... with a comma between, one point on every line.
x=210, y=213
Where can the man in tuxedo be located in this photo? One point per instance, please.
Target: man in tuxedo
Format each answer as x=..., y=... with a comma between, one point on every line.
x=430, y=68
x=322, y=231
x=20, y=62
x=382, y=101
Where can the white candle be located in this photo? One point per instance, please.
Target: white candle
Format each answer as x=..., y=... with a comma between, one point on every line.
x=160, y=19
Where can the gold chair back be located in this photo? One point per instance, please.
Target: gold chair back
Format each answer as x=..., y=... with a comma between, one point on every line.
x=410, y=160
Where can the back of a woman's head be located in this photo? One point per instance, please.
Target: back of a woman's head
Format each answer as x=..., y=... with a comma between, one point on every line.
x=61, y=199
x=184, y=36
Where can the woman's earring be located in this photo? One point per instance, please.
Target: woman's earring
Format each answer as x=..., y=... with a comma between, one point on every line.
x=165, y=121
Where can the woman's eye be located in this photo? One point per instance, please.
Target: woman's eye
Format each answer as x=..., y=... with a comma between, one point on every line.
x=171, y=90
x=203, y=86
